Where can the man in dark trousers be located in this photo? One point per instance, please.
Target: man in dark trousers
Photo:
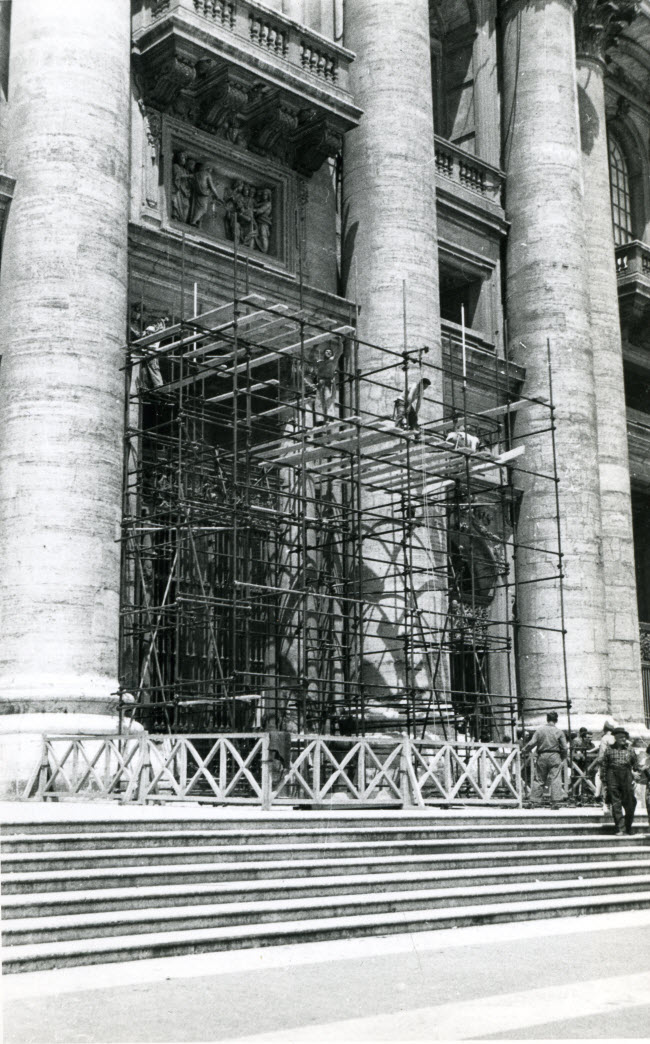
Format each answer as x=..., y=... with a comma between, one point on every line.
x=617, y=764
x=551, y=748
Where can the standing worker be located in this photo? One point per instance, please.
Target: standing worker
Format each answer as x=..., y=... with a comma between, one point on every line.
x=551, y=748
x=617, y=764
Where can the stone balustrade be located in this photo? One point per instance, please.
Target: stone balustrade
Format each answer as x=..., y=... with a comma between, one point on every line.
x=268, y=34
x=633, y=277
x=633, y=259
x=236, y=69
x=469, y=171
x=269, y=31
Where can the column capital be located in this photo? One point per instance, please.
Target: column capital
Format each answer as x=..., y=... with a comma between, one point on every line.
x=599, y=24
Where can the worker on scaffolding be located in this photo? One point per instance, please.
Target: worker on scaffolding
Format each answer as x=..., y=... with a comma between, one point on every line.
x=551, y=749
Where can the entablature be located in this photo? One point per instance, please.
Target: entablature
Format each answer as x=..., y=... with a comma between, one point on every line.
x=239, y=70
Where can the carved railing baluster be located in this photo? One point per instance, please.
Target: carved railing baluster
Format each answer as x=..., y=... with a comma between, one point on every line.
x=318, y=62
x=269, y=36
x=218, y=10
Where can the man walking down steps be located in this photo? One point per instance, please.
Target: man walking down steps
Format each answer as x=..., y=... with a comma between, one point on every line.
x=551, y=749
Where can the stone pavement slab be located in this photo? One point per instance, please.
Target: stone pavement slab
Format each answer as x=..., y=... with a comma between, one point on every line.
x=597, y=967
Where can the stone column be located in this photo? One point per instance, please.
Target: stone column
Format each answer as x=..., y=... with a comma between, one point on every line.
x=63, y=315
x=546, y=298
x=390, y=238
x=596, y=26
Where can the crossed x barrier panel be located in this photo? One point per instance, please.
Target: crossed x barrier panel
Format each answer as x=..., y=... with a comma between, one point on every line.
x=242, y=768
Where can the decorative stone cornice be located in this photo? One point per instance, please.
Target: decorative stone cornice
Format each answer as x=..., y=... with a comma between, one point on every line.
x=599, y=24
x=222, y=95
x=248, y=75
x=316, y=140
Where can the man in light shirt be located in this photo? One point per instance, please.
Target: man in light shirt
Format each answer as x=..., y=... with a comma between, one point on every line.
x=551, y=748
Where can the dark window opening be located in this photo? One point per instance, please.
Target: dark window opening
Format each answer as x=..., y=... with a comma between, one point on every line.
x=460, y=298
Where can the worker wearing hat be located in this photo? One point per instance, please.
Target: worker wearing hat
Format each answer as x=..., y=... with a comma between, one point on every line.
x=617, y=764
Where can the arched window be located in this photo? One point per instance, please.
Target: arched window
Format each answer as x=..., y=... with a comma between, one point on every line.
x=621, y=197
x=453, y=32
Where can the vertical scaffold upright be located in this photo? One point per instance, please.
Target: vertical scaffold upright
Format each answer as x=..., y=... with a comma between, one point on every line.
x=258, y=488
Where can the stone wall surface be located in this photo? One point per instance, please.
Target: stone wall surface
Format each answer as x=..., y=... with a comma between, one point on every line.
x=616, y=513
x=546, y=299
x=63, y=319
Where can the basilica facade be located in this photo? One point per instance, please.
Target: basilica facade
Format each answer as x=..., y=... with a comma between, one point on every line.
x=325, y=385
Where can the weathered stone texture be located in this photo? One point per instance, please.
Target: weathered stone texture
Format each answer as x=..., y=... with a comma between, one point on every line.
x=615, y=504
x=546, y=298
x=390, y=238
x=63, y=317
x=389, y=215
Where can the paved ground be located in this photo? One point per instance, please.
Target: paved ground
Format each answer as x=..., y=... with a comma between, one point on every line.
x=570, y=978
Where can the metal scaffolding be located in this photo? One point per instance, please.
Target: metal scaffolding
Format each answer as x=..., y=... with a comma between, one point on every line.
x=295, y=558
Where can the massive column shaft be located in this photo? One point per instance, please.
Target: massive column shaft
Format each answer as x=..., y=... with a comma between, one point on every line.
x=390, y=239
x=615, y=503
x=546, y=298
x=63, y=316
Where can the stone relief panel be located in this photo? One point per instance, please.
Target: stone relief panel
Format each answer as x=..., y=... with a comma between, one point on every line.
x=218, y=192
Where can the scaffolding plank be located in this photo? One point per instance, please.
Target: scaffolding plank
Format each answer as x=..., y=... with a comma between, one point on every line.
x=204, y=320
x=241, y=391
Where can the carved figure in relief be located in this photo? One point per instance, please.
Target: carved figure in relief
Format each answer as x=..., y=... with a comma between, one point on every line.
x=233, y=206
x=264, y=219
x=231, y=129
x=247, y=223
x=181, y=187
x=204, y=193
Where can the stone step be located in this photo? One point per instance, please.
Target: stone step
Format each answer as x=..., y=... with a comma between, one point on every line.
x=49, y=904
x=135, y=819
x=51, y=880
x=41, y=956
x=218, y=915
x=72, y=859
x=53, y=842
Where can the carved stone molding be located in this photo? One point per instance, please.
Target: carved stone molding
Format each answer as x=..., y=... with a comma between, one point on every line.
x=248, y=75
x=316, y=139
x=272, y=123
x=222, y=97
x=599, y=23
x=152, y=124
x=152, y=121
x=164, y=79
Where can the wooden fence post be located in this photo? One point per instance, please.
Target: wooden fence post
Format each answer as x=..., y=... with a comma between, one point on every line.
x=267, y=780
x=43, y=770
x=405, y=775
x=144, y=773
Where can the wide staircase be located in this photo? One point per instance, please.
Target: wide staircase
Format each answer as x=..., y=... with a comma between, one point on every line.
x=99, y=887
